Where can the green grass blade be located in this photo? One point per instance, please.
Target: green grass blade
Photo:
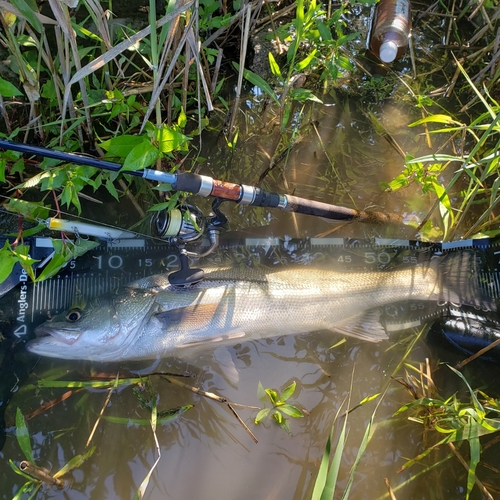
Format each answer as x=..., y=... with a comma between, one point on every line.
x=142, y=488
x=23, y=436
x=95, y=384
x=320, y=482
x=422, y=455
x=484, y=137
x=475, y=456
x=75, y=462
x=417, y=475
x=291, y=411
x=331, y=479
x=27, y=488
x=17, y=470
x=144, y=421
x=34, y=492
x=29, y=14
x=436, y=119
x=287, y=392
x=435, y=158
x=258, y=81
x=321, y=478
x=361, y=451
x=474, y=88
x=477, y=404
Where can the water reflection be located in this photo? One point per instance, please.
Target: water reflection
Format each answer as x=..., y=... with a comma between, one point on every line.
x=206, y=453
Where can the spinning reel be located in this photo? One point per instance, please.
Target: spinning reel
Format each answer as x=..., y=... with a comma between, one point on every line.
x=187, y=224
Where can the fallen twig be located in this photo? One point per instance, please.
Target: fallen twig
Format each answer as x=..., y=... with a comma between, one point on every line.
x=110, y=391
x=219, y=399
x=40, y=474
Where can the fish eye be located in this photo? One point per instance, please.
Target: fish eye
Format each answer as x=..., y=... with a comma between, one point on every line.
x=74, y=315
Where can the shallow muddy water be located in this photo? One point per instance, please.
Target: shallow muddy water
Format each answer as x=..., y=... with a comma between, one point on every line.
x=205, y=452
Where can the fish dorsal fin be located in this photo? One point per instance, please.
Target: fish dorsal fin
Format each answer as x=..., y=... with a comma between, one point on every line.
x=252, y=274
x=160, y=281
x=366, y=327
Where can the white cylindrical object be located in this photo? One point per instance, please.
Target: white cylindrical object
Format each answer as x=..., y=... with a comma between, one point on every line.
x=390, y=30
x=388, y=52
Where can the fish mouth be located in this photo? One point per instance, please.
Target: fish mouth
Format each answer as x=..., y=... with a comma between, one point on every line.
x=62, y=335
x=55, y=344
x=61, y=343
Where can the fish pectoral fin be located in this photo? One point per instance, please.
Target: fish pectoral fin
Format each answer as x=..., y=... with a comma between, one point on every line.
x=366, y=327
x=195, y=317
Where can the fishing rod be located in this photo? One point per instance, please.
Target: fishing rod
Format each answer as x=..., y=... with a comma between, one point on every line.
x=186, y=223
x=205, y=186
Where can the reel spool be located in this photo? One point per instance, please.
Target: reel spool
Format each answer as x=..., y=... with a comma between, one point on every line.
x=184, y=224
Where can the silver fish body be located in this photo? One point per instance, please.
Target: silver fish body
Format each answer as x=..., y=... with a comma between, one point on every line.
x=150, y=319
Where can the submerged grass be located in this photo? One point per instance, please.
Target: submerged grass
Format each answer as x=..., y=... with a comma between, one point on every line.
x=325, y=484
x=461, y=422
x=35, y=475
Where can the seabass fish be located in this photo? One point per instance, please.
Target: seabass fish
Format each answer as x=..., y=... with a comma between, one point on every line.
x=150, y=319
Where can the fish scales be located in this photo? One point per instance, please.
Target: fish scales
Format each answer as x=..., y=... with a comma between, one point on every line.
x=287, y=302
x=150, y=319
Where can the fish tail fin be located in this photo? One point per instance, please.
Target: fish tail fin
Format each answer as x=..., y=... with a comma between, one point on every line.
x=463, y=280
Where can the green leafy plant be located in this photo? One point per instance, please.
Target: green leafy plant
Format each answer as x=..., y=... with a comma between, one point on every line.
x=64, y=251
x=280, y=407
x=478, y=165
x=10, y=256
x=460, y=422
x=312, y=29
x=107, y=106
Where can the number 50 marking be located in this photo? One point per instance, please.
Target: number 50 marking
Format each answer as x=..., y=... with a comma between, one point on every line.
x=374, y=257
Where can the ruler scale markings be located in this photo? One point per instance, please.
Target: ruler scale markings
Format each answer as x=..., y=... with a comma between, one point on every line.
x=45, y=293
x=36, y=293
x=491, y=280
x=496, y=285
x=453, y=245
x=70, y=289
x=51, y=294
x=39, y=291
x=67, y=284
x=59, y=294
x=322, y=242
